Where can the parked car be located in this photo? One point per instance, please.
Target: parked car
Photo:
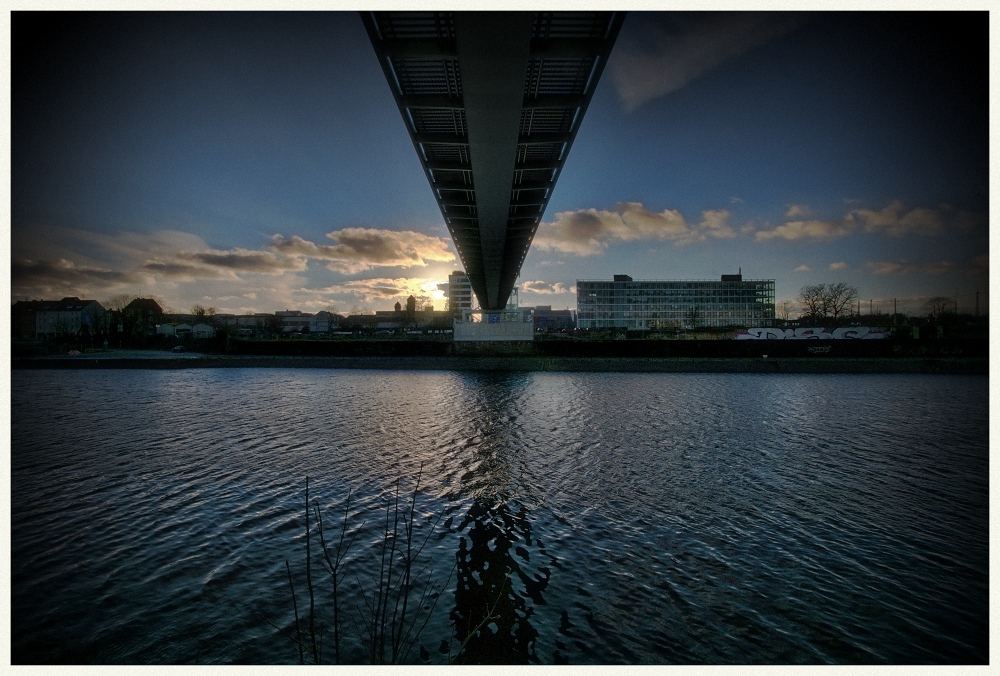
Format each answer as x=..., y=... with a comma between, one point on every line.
x=177, y=348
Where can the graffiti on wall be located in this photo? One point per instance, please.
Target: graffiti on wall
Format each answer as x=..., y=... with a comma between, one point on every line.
x=813, y=333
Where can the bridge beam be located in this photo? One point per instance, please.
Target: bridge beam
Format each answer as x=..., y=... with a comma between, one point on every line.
x=492, y=102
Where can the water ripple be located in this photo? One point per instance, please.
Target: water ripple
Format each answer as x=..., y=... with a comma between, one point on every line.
x=637, y=518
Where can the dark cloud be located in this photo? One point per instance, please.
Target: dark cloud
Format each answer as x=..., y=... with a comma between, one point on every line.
x=173, y=269
x=64, y=276
x=242, y=260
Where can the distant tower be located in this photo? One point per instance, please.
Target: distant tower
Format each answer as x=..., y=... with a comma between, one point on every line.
x=411, y=304
x=398, y=306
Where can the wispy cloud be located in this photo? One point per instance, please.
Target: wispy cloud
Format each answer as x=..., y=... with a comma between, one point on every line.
x=242, y=260
x=896, y=221
x=683, y=46
x=802, y=268
x=546, y=287
x=823, y=230
x=358, y=249
x=906, y=267
x=587, y=232
x=840, y=265
x=174, y=268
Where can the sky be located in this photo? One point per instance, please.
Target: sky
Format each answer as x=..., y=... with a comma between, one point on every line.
x=255, y=162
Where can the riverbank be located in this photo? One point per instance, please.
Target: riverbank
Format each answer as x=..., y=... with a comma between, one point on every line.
x=139, y=360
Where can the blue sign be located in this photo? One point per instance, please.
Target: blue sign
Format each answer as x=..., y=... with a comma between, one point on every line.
x=494, y=318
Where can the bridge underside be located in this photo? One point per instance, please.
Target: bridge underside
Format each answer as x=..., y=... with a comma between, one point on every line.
x=492, y=102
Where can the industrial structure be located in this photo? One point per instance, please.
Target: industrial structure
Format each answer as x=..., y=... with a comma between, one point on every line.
x=492, y=102
x=650, y=305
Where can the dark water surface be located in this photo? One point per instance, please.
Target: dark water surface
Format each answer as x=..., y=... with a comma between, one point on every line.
x=625, y=518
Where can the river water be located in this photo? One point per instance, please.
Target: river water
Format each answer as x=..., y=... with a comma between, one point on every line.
x=577, y=517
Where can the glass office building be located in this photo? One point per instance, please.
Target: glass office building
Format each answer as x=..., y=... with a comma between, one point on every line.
x=651, y=305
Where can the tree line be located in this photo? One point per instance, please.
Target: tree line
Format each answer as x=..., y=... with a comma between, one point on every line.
x=835, y=301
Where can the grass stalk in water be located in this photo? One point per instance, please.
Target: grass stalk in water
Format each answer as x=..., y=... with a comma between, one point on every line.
x=402, y=594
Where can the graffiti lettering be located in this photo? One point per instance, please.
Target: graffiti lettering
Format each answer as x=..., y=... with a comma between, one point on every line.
x=813, y=333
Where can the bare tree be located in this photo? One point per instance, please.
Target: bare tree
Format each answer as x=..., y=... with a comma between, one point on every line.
x=200, y=311
x=840, y=297
x=938, y=305
x=813, y=299
x=827, y=300
x=118, y=302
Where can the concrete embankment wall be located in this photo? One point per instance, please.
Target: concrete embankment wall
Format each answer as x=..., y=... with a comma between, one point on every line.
x=625, y=349
x=953, y=365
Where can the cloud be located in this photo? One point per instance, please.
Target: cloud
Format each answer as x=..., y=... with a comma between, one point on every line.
x=838, y=266
x=64, y=277
x=546, y=288
x=121, y=250
x=736, y=200
x=357, y=249
x=242, y=260
x=383, y=288
x=802, y=268
x=906, y=268
x=807, y=230
x=968, y=221
x=681, y=47
x=214, y=264
x=175, y=269
x=587, y=232
x=895, y=221
x=980, y=264
x=714, y=223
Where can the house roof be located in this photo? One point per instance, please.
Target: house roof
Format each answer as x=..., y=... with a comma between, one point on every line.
x=68, y=304
x=144, y=305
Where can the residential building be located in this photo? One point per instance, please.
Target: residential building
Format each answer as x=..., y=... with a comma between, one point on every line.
x=644, y=305
x=69, y=316
x=23, y=318
x=294, y=321
x=141, y=317
x=202, y=331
